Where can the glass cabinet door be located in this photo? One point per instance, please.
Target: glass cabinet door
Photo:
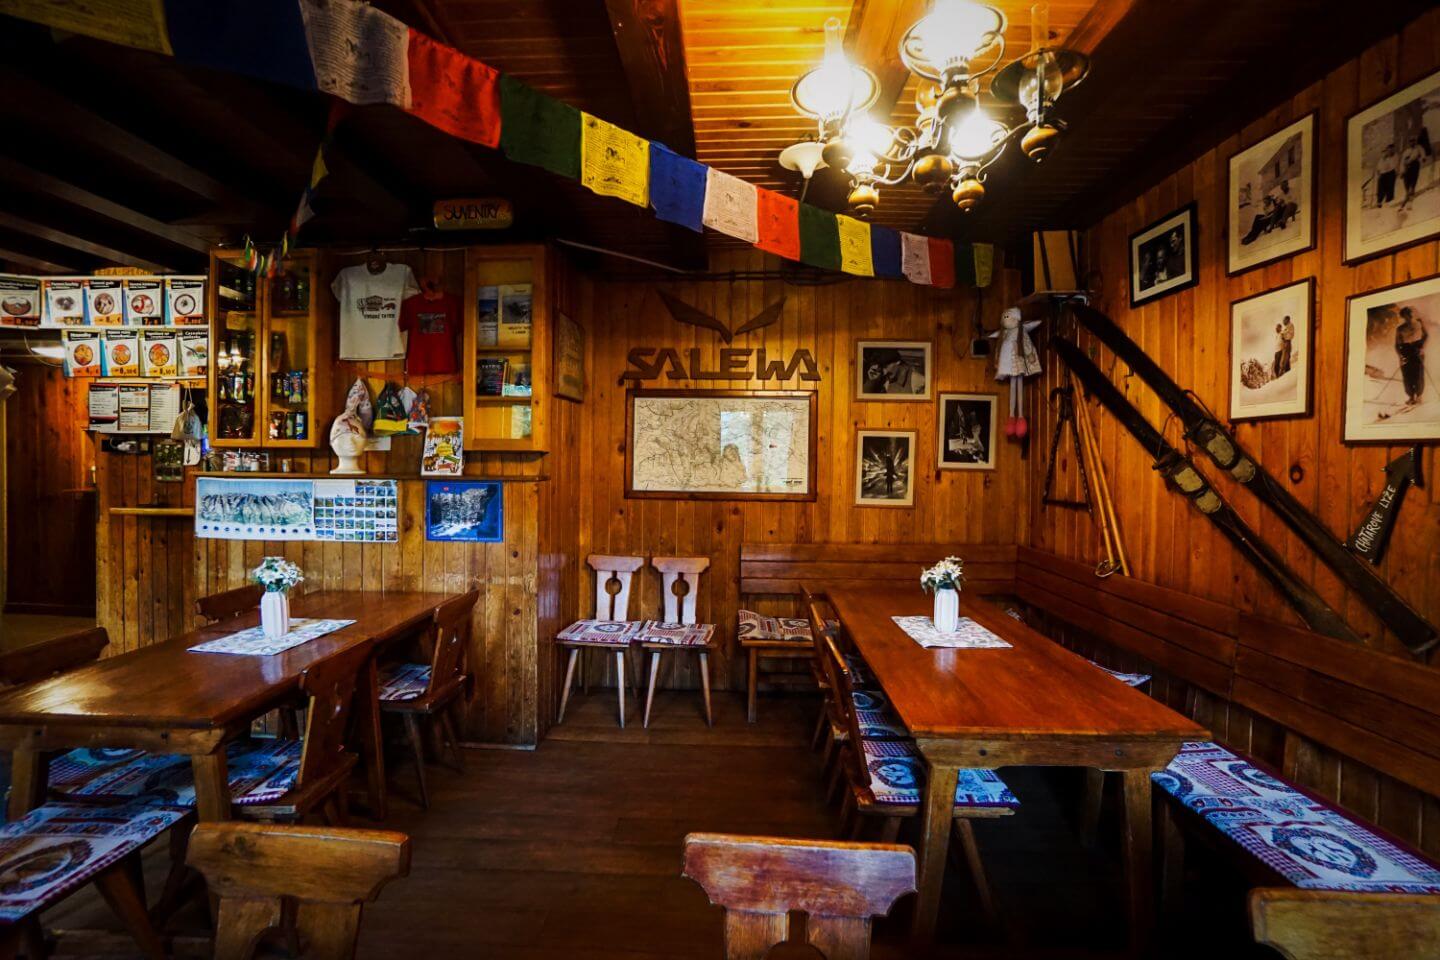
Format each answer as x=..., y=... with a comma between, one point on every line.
x=235, y=372
x=289, y=354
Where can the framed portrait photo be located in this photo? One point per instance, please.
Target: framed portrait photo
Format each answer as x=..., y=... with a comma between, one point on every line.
x=885, y=468
x=1270, y=352
x=1392, y=371
x=1162, y=257
x=892, y=369
x=967, y=431
x=1272, y=197
x=1392, y=194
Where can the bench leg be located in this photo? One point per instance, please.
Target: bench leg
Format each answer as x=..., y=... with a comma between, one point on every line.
x=650, y=693
x=965, y=833
x=1090, y=804
x=117, y=886
x=752, y=674
x=705, y=688
x=620, y=683
x=1139, y=852
x=1171, y=859
x=937, y=811
x=565, y=690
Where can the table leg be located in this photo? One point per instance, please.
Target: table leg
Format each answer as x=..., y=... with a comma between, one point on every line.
x=751, y=674
x=939, y=810
x=372, y=743
x=212, y=785
x=29, y=774
x=1139, y=866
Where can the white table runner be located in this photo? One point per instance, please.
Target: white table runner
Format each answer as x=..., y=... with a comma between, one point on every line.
x=254, y=643
x=969, y=636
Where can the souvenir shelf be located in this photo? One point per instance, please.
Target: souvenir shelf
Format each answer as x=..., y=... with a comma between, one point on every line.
x=507, y=348
x=269, y=368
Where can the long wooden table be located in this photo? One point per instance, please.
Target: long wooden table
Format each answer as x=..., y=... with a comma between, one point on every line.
x=166, y=699
x=1032, y=704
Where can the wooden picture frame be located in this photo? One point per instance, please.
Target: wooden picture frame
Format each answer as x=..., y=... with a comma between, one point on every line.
x=1283, y=302
x=892, y=362
x=569, y=358
x=796, y=399
x=868, y=472
x=948, y=430
x=1371, y=120
x=1291, y=182
x=1389, y=420
x=1146, y=247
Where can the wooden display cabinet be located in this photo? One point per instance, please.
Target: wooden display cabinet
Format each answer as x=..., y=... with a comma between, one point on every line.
x=270, y=370
x=500, y=356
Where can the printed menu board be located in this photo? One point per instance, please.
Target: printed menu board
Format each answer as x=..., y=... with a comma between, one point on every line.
x=19, y=301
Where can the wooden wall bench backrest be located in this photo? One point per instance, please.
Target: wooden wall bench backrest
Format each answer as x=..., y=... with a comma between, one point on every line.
x=1187, y=637
x=781, y=568
x=1379, y=710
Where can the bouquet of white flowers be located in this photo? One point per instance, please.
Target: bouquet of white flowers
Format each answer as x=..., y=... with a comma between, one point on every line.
x=276, y=575
x=948, y=574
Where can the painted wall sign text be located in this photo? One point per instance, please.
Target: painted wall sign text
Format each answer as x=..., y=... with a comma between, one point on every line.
x=649, y=363
x=485, y=213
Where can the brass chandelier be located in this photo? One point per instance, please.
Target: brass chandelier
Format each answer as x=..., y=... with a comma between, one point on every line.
x=954, y=140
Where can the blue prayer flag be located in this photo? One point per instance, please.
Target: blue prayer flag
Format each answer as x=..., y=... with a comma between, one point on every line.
x=257, y=38
x=885, y=252
x=677, y=187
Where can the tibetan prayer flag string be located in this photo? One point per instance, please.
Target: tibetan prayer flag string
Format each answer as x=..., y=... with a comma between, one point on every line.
x=885, y=252
x=854, y=246
x=779, y=223
x=614, y=162
x=965, y=264
x=360, y=53
x=984, y=264
x=130, y=23
x=257, y=38
x=819, y=238
x=942, y=262
x=730, y=206
x=539, y=130
x=677, y=187
x=915, y=258
x=453, y=92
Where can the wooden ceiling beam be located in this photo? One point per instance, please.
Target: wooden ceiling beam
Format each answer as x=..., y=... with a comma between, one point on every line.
x=70, y=241
x=22, y=259
x=647, y=37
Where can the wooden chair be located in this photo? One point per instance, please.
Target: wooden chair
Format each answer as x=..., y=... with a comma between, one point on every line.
x=314, y=881
x=231, y=603
x=760, y=880
x=41, y=661
x=431, y=693
x=830, y=724
x=1326, y=925
x=680, y=586
x=609, y=630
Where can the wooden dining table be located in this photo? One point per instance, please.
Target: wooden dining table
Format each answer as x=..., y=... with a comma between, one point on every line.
x=167, y=699
x=1033, y=703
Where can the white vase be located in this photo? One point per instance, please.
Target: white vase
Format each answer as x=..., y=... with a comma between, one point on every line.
x=947, y=610
x=275, y=614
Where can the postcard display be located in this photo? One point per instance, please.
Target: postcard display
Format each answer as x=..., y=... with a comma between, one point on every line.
x=505, y=343
x=278, y=508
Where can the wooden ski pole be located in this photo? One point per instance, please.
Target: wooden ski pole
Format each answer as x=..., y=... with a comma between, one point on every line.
x=1109, y=522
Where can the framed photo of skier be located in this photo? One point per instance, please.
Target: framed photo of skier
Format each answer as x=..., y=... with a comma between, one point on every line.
x=967, y=431
x=1272, y=197
x=471, y=511
x=892, y=369
x=885, y=468
x=1392, y=371
x=1270, y=353
x=1392, y=179
x=1162, y=257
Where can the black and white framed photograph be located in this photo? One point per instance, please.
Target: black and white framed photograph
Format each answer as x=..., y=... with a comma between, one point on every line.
x=1392, y=375
x=1272, y=191
x=892, y=369
x=1270, y=354
x=885, y=468
x=1162, y=257
x=1392, y=192
x=967, y=431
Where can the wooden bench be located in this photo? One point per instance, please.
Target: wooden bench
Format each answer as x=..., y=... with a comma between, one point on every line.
x=773, y=575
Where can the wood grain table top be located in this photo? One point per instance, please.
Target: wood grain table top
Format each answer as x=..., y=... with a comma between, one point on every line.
x=1033, y=689
x=166, y=686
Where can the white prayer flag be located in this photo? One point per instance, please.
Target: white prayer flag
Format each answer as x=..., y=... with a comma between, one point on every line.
x=915, y=258
x=730, y=206
x=361, y=54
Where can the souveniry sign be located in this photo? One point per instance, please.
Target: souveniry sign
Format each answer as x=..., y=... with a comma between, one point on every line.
x=484, y=213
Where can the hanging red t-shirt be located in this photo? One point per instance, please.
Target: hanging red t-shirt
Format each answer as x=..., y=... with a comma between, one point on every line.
x=434, y=326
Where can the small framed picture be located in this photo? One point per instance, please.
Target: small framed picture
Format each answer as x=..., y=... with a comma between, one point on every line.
x=466, y=510
x=967, y=423
x=885, y=468
x=1272, y=189
x=1392, y=182
x=892, y=370
x=1270, y=353
x=1392, y=381
x=1162, y=257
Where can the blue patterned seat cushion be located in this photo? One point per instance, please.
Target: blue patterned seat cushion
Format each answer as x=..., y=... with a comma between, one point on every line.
x=404, y=681
x=261, y=771
x=676, y=634
x=872, y=700
x=753, y=626
x=55, y=849
x=880, y=725
x=897, y=772
x=1310, y=843
x=601, y=633
x=859, y=670
x=1129, y=679
x=71, y=771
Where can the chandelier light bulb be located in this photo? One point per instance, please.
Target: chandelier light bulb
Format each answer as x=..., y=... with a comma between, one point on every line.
x=837, y=87
x=942, y=44
x=972, y=135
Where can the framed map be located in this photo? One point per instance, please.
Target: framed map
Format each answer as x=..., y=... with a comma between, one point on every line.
x=720, y=444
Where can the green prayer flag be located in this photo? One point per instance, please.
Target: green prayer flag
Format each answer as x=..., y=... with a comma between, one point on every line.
x=539, y=130
x=964, y=265
x=819, y=238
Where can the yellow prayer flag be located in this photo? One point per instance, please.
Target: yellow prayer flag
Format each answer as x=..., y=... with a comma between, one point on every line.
x=855, y=246
x=130, y=23
x=318, y=170
x=614, y=162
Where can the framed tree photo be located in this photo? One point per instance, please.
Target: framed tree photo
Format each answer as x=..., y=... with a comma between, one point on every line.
x=1392, y=194
x=1392, y=373
x=1270, y=353
x=1162, y=257
x=892, y=369
x=1272, y=197
x=885, y=468
x=967, y=428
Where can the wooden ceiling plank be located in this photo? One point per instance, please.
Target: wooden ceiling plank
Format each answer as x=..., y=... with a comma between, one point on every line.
x=39, y=264
x=60, y=238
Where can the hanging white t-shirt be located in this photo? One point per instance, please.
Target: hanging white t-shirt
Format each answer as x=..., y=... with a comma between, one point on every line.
x=370, y=311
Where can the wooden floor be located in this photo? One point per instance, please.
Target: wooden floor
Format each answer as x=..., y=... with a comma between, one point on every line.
x=573, y=851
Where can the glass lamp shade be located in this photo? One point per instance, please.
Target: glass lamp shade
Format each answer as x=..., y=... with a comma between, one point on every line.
x=973, y=136
x=1052, y=72
x=954, y=33
x=837, y=87
x=871, y=141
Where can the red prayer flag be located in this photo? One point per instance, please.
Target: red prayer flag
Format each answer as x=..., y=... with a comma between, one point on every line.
x=942, y=263
x=453, y=92
x=779, y=223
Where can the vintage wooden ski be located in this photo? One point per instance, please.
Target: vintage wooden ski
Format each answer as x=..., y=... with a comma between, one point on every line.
x=1371, y=537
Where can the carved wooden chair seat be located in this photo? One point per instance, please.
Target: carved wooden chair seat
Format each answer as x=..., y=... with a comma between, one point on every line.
x=679, y=632
x=609, y=630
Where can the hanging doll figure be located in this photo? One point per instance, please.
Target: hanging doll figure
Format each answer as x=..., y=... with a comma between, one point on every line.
x=1016, y=361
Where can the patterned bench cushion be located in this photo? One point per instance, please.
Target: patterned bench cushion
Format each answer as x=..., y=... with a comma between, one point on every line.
x=1129, y=679
x=753, y=626
x=260, y=771
x=677, y=634
x=404, y=681
x=880, y=725
x=870, y=700
x=1309, y=842
x=617, y=633
x=897, y=772
x=55, y=849
x=102, y=767
x=859, y=670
